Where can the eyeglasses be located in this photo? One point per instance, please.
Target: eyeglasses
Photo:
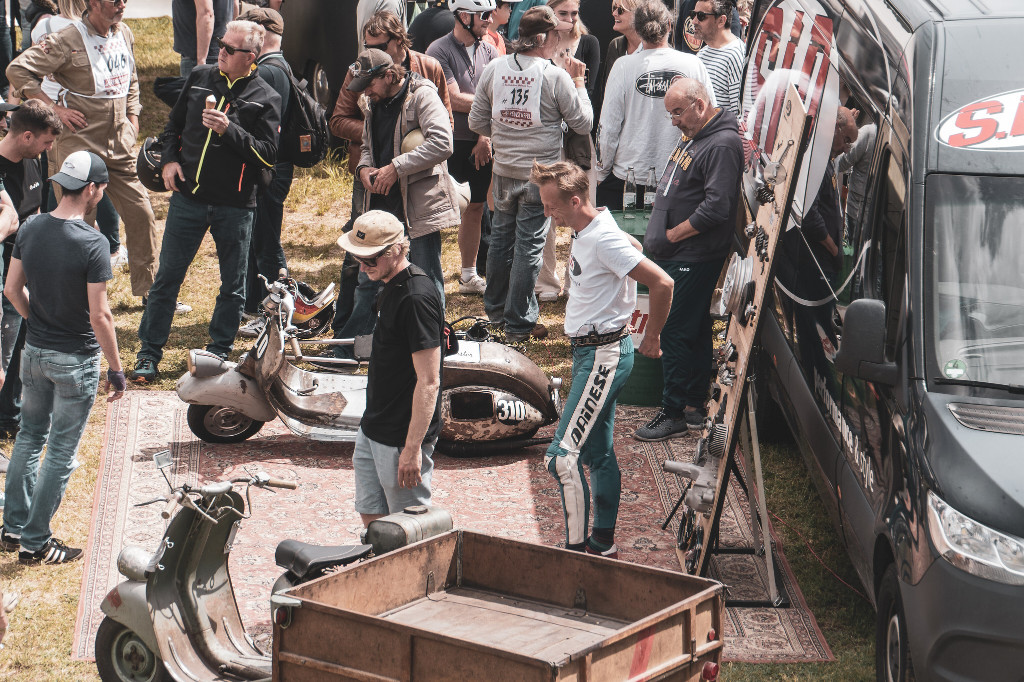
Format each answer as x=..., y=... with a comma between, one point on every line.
x=379, y=46
x=701, y=16
x=230, y=49
x=678, y=113
x=356, y=69
x=371, y=262
x=619, y=10
x=115, y=2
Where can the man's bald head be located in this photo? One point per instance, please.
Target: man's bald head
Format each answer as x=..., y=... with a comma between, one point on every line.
x=846, y=131
x=688, y=103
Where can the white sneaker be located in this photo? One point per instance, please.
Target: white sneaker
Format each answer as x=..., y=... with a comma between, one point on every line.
x=252, y=328
x=475, y=285
x=547, y=296
x=119, y=259
x=180, y=308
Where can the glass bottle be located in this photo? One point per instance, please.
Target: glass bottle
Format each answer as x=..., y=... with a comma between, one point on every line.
x=629, y=195
x=650, y=189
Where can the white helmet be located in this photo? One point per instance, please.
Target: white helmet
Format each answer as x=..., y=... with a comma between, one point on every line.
x=472, y=5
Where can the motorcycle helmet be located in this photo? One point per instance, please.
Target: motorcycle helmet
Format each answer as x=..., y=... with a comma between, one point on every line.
x=314, y=311
x=149, y=166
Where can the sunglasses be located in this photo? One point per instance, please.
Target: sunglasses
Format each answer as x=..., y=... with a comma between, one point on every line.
x=619, y=10
x=371, y=262
x=379, y=46
x=123, y=3
x=231, y=49
x=357, y=71
x=701, y=16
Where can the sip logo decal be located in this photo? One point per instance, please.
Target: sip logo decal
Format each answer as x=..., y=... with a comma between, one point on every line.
x=992, y=124
x=655, y=83
x=511, y=411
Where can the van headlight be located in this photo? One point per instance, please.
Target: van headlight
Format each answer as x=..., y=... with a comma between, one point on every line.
x=972, y=547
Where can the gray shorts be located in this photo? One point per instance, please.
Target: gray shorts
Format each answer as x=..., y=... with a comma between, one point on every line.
x=376, y=469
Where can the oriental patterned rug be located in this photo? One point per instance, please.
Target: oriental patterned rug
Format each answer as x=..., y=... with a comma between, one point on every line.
x=508, y=495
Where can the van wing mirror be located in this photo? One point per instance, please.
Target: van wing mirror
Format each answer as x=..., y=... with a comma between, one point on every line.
x=862, y=349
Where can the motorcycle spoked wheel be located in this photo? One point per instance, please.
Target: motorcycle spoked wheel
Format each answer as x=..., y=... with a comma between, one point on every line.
x=122, y=656
x=216, y=424
x=463, y=450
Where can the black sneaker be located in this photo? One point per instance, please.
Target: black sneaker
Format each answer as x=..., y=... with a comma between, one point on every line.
x=53, y=552
x=8, y=542
x=145, y=371
x=662, y=427
x=694, y=418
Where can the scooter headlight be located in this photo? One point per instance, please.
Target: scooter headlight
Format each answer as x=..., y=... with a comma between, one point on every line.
x=203, y=364
x=133, y=561
x=973, y=547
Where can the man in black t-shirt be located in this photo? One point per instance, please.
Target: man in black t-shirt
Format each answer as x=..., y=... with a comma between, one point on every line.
x=432, y=23
x=34, y=127
x=392, y=458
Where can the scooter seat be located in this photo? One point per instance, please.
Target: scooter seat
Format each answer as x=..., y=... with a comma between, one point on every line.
x=301, y=558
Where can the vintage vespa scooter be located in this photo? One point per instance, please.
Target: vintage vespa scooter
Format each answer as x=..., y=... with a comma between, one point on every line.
x=175, y=617
x=493, y=397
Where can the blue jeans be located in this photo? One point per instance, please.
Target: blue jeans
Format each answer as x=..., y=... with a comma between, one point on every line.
x=266, y=257
x=58, y=392
x=425, y=253
x=187, y=221
x=514, y=254
x=686, y=338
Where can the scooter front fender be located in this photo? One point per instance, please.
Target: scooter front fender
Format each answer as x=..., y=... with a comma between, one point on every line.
x=230, y=389
x=127, y=604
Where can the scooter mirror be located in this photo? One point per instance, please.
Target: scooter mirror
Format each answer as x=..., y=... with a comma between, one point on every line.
x=162, y=459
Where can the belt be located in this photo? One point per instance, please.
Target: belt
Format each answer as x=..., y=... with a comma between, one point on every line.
x=594, y=339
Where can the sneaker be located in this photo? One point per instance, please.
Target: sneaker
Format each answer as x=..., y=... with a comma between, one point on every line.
x=475, y=285
x=610, y=553
x=248, y=317
x=145, y=371
x=8, y=542
x=119, y=258
x=662, y=427
x=539, y=331
x=547, y=296
x=53, y=552
x=694, y=418
x=179, y=307
x=253, y=328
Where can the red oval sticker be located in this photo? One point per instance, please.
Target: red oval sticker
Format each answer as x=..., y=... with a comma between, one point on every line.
x=995, y=123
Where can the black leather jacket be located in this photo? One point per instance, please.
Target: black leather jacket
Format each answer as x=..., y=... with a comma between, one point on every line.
x=224, y=169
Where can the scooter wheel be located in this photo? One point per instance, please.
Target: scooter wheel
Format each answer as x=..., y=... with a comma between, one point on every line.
x=216, y=424
x=122, y=656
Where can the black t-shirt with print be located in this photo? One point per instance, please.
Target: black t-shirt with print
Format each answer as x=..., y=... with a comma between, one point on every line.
x=410, y=319
x=23, y=181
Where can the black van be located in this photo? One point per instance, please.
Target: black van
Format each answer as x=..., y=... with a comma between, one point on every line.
x=914, y=429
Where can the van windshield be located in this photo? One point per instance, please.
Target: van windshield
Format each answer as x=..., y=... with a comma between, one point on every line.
x=975, y=250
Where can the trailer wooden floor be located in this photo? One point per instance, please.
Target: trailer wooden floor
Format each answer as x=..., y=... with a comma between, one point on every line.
x=531, y=628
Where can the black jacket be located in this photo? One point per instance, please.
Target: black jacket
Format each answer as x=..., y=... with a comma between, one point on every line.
x=224, y=169
x=701, y=183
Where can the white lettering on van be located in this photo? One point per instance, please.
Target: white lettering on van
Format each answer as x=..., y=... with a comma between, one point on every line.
x=861, y=463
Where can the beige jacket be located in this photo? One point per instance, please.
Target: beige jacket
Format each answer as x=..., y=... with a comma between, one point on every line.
x=427, y=190
x=62, y=54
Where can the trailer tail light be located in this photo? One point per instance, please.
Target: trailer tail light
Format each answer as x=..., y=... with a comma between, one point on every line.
x=710, y=672
x=712, y=635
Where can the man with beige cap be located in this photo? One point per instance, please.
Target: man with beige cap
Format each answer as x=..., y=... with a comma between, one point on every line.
x=392, y=458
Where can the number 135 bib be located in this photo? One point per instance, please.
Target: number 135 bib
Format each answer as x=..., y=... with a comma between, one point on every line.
x=516, y=98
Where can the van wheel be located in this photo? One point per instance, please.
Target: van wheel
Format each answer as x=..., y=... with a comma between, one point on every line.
x=215, y=424
x=892, y=647
x=122, y=656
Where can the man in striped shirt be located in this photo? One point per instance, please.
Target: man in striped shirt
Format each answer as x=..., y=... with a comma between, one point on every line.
x=723, y=53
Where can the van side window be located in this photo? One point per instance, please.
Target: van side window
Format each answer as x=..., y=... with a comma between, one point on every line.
x=887, y=263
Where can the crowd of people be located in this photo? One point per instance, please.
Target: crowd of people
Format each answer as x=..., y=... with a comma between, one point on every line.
x=510, y=122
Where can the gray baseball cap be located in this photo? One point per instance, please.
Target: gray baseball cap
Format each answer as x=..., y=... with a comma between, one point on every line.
x=79, y=169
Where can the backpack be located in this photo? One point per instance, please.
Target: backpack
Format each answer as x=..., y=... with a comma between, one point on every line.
x=304, y=138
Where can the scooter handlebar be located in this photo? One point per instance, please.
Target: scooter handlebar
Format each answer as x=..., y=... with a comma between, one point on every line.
x=281, y=483
x=173, y=501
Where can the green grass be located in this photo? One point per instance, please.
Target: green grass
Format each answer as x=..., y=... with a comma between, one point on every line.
x=39, y=641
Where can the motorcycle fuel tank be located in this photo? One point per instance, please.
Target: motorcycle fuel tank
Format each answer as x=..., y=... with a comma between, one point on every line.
x=410, y=525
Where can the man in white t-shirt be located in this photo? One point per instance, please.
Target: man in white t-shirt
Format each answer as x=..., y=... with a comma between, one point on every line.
x=634, y=131
x=605, y=265
x=723, y=53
